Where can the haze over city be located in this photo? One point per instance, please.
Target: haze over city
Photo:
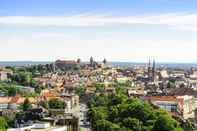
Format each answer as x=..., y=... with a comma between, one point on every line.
x=118, y=30
x=98, y=65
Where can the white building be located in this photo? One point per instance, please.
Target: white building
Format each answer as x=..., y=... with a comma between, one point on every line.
x=178, y=105
x=3, y=75
x=40, y=127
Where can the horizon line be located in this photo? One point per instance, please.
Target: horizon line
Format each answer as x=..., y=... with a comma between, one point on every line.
x=167, y=62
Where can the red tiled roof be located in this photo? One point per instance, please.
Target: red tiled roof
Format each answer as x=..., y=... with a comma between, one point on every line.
x=163, y=98
x=16, y=99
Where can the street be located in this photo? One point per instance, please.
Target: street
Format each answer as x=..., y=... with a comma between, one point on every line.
x=83, y=120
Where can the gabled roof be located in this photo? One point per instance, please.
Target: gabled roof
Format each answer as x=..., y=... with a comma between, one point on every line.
x=15, y=99
x=183, y=91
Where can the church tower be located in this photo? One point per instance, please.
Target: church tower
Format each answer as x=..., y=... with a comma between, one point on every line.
x=153, y=71
x=149, y=69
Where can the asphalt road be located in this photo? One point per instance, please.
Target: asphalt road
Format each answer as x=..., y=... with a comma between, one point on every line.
x=83, y=121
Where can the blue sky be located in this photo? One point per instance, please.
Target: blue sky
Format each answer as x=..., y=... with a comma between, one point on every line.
x=119, y=30
x=67, y=7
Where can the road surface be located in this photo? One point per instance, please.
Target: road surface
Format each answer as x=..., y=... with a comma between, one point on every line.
x=83, y=121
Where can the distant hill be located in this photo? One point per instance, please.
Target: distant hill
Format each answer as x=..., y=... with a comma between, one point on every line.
x=21, y=63
x=114, y=64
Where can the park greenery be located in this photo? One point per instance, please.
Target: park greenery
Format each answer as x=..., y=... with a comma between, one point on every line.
x=118, y=112
x=35, y=70
x=25, y=105
x=3, y=124
x=56, y=104
x=53, y=104
x=23, y=77
x=11, y=89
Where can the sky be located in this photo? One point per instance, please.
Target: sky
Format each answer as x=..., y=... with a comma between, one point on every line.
x=118, y=30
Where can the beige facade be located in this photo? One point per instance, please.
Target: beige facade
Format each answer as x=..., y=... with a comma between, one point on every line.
x=183, y=106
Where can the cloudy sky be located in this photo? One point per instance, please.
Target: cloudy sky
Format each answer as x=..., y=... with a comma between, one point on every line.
x=118, y=30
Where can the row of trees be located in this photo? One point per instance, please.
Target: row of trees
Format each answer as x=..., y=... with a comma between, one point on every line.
x=11, y=89
x=23, y=76
x=53, y=104
x=118, y=112
x=34, y=69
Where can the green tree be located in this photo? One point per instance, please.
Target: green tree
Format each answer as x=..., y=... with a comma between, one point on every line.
x=25, y=105
x=12, y=91
x=22, y=77
x=166, y=123
x=38, y=89
x=104, y=125
x=101, y=100
x=56, y=104
x=117, y=99
x=9, y=117
x=133, y=124
x=187, y=126
x=117, y=110
x=171, y=84
x=3, y=124
x=100, y=89
x=98, y=113
x=44, y=104
x=79, y=90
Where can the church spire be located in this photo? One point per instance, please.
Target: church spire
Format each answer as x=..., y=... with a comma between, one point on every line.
x=153, y=70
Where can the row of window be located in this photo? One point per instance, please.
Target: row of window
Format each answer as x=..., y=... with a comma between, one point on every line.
x=3, y=106
x=169, y=107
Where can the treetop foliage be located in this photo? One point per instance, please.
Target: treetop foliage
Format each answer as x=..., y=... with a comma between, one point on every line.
x=118, y=112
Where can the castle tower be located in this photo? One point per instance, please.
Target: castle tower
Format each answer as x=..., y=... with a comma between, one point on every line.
x=91, y=61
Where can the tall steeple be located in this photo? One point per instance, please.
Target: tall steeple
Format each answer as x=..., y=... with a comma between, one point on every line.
x=154, y=64
x=149, y=69
x=153, y=70
x=104, y=61
x=53, y=67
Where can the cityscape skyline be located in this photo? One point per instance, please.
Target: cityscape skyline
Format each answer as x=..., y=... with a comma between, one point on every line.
x=129, y=31
x=98, y=65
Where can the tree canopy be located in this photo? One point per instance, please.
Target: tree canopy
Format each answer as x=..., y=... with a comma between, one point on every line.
x=56, y=104
x=3, y=124
x=25, y=105
x=118, y=112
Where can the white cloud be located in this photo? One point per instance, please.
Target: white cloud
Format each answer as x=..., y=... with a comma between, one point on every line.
x=180, y=21
x=123, y=45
